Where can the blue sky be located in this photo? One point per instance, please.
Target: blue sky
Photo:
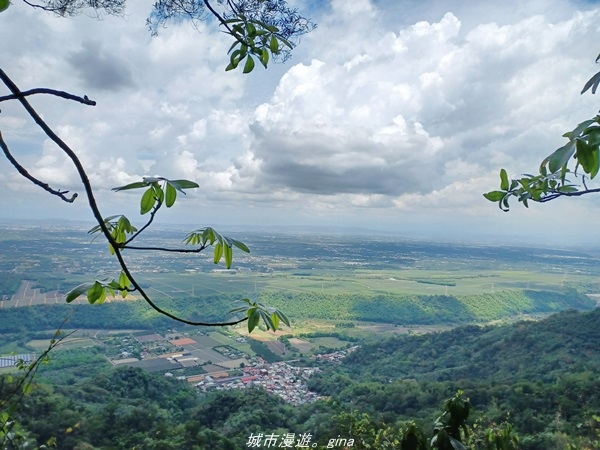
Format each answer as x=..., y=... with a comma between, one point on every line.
x=391, y=115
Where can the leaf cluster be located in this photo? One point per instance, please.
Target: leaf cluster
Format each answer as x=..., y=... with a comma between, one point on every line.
x=159, y=190
x=581, y=151
x=450, y=428
x=253, y=39
x=97, y=291
x=223, y=247
x=256, y=311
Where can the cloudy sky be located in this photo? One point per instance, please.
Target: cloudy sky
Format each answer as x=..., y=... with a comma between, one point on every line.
x=393, y=115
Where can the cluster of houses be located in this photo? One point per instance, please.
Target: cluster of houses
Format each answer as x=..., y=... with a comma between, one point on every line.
x=280, y=378
x=334, y=357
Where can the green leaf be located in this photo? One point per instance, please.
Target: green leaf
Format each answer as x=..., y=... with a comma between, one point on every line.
x=228, y=252
x=494, y=196
x=560, y=157
x=271, y=28
x=159, y=194
x=251, y=29
x=567, y=188
x=125, y=225
x=180, y=185
x=27, y=388
x=253, y=319
x=275, y=321
x=585, y=156
x=286, y=42
x=579, y=128
x=96, y=294
x=235, y=58
x=240, y=245
x=237, y=29
x=592, y=83
x=170, y=195
x=218, y=253
x=274, y=45
x=77, y=291
x=264, y=57
x=266, y=319
x=147, y=201
x=503, y=180
x=249, y=66
x=136, y=185
x=124, y=281
x=283, y=317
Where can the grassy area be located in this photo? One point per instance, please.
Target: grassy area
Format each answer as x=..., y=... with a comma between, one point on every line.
x=362, y=281
x=69, y=343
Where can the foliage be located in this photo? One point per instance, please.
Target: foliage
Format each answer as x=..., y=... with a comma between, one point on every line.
x=450, y=429
x=424, y=309
x=12, y=393
x=577, y=159
x=252, y=25
x=373, y=396
x=262, y=29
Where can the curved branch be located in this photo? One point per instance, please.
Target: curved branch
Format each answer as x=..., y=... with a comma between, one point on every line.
x=94, y=206
x=160, y=310
x=85, y=100
x=31, y=178
x=568, y=194
x=223, y=22
x=137, y=233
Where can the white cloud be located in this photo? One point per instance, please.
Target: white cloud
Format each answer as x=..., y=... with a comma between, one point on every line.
x=394, y=111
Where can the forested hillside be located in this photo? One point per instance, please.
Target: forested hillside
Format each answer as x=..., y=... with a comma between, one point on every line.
x=563, y=343
x=383, y=308
x=541, y=376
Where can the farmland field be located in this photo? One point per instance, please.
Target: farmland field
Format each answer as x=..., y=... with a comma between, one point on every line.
x=343, y=278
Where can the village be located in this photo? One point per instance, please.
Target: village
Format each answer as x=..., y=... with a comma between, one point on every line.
x=281, y=378
x=218, y=361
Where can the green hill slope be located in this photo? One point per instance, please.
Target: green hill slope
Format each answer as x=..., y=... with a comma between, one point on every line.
x=567, y=342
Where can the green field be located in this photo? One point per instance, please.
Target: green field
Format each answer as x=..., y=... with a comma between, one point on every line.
x=367, y=282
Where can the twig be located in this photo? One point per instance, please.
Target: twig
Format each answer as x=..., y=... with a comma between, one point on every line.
x=85, y=100
x=568, y=194
x=137, y=233
x=94, y=206
x=31, y=178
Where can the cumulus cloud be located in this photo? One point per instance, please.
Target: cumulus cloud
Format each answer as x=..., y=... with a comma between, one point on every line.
x=396, y=107
x=422, y=110
x=99, y=69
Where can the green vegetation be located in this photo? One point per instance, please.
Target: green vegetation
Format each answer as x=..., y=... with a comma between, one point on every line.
x=401, y=310
x=578, y=159
x=534, y=380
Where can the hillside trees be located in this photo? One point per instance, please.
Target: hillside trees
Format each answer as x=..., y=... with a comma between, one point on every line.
x=260, y=31
x=563, y=173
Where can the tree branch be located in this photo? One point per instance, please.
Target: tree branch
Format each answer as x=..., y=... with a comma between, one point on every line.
x=222, y=20
x=137, y=233
x=85, y=100
x=568, y=194
x=94, y=206
x=31, y=178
